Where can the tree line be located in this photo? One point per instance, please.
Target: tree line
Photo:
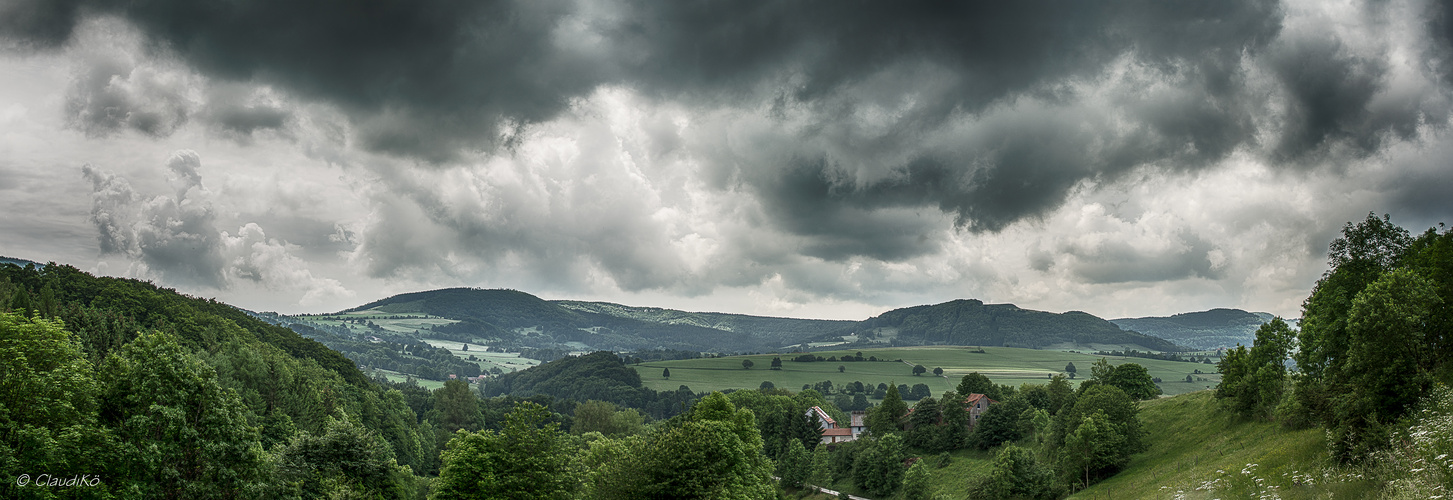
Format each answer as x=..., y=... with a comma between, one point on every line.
x=1375, y=338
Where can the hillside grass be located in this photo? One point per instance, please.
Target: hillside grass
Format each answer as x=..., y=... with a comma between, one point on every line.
x=1199, y=450
x=1003, y=365
x=485, y=358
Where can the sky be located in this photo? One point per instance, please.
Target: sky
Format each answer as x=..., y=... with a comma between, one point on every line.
x=818, y=159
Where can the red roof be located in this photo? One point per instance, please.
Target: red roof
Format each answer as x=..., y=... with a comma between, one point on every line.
x=837, y=432
x=823, y=415
x=975, y=397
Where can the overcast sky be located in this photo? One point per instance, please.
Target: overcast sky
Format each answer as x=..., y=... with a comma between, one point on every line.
x=814, y=159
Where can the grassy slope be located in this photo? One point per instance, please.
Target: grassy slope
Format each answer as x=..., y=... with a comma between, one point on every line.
x=1194, y=442
x=1003, y=365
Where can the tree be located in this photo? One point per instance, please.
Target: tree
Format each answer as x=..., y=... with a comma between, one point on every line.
x=841, y=368
x=1390, y=363
x=776, y=363
x=999, y=423
x=1252, y=380
x=529, y=458
x=878, y=469
x=345, y=461
x=665, y=373
x=919, y=370
x=181, y=434
x=1134, y=379
x=456, y=406
x=795, y=466
x=1017, y=474
x=955, y=422
x=1121, y=413
x=915, y=482
x=923, y=424
x=974, y=383
x=883, y=419
x=715, y=454
x=747, y=364
x=767, y=385
x=1093, y=447
x=937, y=371
x=48, y=403
x=1070, y=369
x=605, y=418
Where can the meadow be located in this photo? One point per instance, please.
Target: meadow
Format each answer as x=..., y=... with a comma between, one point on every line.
x=1003, y=365
x=1199, y=450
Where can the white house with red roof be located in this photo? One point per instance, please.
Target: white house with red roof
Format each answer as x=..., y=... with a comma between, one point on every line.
x=831, y=432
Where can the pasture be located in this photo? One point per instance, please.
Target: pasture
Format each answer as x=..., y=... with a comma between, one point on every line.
x=1003, y=365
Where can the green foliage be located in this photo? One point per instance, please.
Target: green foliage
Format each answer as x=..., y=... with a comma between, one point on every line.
x=1252, y=381
x=1106, y=447
x=712, y=452
x=347, y=461
x=884, y=418
x=47, y=404
x=795, y=465
x=924, y=429
x=915, y=482
x=1017, y=474
x=1373, y=332
x=528, y=459
x=1000, y=423
x=600, y=376
x=1093, y=447
x=878, y=467
x=180, y=433
x=976, y=383
x=1134, y=379
x=607, y=419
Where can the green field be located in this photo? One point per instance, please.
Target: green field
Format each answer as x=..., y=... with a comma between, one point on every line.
x=394, y=376
x=505, y=361
x=1003, y=365
x=404, y=323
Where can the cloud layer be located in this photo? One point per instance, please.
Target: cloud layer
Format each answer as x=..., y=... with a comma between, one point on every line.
x=803, y=151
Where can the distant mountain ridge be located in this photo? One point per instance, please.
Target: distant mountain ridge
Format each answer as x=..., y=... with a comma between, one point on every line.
x=1213, y=329
x=972, y=322
x=519, y=317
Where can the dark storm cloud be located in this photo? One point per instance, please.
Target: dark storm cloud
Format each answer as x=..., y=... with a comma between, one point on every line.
x=1440, y=27
x=1328, y=92
x=421, y=79
x=995, y=111
x=40, y=24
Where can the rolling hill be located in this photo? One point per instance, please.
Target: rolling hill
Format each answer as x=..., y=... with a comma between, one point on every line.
x=1203, y=330
x=972, y=322
x=519, y=319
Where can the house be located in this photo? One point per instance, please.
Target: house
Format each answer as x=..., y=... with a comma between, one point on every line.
x=831, y=432
x=859, y=423
x=976, y=404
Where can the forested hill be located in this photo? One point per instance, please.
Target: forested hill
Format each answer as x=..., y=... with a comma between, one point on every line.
x=518, y=317
x=515, y=315
x=121, y=307
x=972, y=322
x=1211, y=329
